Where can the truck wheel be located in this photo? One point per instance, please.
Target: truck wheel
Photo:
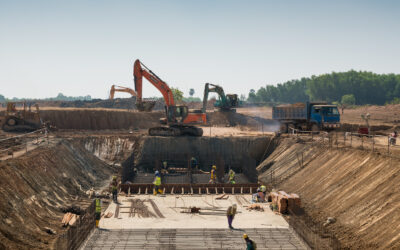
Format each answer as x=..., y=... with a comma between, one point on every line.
x=283, y=128
x=314, y=128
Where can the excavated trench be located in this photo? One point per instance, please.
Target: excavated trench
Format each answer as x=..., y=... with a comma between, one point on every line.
x=142, y=155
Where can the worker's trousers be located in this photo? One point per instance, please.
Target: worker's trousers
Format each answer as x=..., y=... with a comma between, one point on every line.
x=230, y=219
x=115, y=195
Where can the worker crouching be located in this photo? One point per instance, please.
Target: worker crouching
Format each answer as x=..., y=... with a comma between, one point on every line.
x=157, y=184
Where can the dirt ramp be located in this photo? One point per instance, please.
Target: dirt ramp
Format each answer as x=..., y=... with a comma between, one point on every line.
x=35, y=187
x=87, y=119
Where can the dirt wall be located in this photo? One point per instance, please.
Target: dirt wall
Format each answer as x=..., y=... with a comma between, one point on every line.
x=357, y=188
x=240, y=153
x=87, y=119
x=35, y=187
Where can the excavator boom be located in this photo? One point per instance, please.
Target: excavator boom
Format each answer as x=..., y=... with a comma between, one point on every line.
x=116, y=88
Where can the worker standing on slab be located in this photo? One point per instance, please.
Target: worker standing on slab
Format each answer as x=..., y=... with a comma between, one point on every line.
x=213, y=177
x=193, y=163
x=157, y=184
x=230, y=213
x=250, y=245
x=114, y=189
x=232, y=177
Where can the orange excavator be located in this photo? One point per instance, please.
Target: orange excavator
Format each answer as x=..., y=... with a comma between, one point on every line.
x=116, y=88
x=179, y=119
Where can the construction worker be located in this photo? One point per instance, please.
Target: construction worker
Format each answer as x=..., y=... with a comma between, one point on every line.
x=250, y=245
x=193, y=163
x=213, y=177
x=164, y=168
x=157, y=184
x=232, y=176
x=98, y=212
x=230, y=213
x=114, y=189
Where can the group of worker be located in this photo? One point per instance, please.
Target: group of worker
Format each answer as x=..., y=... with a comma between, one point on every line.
x=230, y=214
x=213, y=176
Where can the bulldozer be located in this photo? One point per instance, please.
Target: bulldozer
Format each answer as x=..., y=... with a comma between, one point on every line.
x=21, y=120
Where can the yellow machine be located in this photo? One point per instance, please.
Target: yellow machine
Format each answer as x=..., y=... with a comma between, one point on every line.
x=20, y=120
x=116, y=88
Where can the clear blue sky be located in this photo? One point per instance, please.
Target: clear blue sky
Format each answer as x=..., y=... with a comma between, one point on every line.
x=83, y=47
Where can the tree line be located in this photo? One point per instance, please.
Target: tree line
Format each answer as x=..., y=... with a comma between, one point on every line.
x=360, y=87
x=59, y=97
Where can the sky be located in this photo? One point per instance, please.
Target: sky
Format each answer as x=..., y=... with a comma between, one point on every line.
x=83, y=47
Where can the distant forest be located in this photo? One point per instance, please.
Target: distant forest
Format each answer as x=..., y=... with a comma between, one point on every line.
x=59, y=97
x=359, y=87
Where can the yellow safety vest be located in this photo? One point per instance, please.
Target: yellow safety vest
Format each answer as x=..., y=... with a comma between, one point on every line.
x=231, y=175
x=98, y=206
x=157, y=182
x=213, y=174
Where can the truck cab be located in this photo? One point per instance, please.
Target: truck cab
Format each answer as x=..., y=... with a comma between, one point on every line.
x=325, y=116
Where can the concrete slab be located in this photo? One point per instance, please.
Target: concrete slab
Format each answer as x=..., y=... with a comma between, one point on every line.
x=172, y=207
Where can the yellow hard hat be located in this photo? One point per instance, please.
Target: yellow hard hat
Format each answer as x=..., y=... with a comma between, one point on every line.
x=114, y=177
x=214, y=166
x=245, y=236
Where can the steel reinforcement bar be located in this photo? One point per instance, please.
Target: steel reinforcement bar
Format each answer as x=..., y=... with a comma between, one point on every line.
x=147, y=188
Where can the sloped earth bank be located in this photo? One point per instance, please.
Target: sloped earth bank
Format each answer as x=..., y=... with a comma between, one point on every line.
x=89, y=119
x=359, y=189
x=35, y=187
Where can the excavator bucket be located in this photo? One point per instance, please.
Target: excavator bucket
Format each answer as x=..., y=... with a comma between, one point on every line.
x=145, y=106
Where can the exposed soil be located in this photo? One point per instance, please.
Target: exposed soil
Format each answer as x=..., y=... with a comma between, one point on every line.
x=358, y=188
x=38, y=185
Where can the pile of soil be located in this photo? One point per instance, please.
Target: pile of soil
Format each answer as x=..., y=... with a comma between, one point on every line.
x=355, y=187
x=38, y=185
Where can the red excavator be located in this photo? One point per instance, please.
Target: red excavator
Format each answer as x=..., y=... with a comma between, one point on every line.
x=179, y=119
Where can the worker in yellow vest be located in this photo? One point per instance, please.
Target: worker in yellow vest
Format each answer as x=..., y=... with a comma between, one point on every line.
x=157, y=184
x=114, y=189
x=98, y=212
x=232, y=177
x=213, y=177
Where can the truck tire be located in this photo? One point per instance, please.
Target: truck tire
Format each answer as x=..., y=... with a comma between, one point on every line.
x=283, y=128
x=314, y=128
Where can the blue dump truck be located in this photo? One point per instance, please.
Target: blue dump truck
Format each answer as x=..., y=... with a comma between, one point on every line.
x=309, y=116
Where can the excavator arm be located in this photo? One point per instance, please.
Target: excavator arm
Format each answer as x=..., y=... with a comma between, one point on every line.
x=139, y=72
x=116, y=88
x=217, y=89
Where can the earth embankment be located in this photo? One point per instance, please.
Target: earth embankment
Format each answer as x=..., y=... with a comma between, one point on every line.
x=357, y=188
x=38, y=185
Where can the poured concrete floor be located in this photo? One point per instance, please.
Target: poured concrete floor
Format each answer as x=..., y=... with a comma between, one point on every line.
x=165, y=224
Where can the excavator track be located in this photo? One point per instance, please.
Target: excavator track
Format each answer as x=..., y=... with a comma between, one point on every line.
x=176, y=130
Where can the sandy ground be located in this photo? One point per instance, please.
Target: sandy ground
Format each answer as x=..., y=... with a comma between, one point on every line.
x=212, y=213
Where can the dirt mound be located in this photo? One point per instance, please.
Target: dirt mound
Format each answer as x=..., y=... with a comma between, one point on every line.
x=355, y=187
x=100, y=119
x=37, y=186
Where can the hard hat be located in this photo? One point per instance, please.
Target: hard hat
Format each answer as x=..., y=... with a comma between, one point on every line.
x=156, y=173
x=234, y=205
x=214, y=167
x=245, y=236
x=114, y=177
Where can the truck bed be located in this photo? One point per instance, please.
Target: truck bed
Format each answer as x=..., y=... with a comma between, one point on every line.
x=289, y=113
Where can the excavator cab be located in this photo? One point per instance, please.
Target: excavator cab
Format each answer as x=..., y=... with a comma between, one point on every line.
x=177, y=114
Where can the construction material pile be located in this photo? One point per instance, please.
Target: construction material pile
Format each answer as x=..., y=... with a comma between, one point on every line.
x=283, y=202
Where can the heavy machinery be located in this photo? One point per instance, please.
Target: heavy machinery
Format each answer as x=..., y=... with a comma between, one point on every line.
x=179, y=119
x=116, y=88
x=314, y=116
x=21, y=120
x=225, y=102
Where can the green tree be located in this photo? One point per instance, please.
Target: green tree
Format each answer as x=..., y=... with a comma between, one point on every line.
x=178, y=95
x=191, y=92
x=348, y=100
